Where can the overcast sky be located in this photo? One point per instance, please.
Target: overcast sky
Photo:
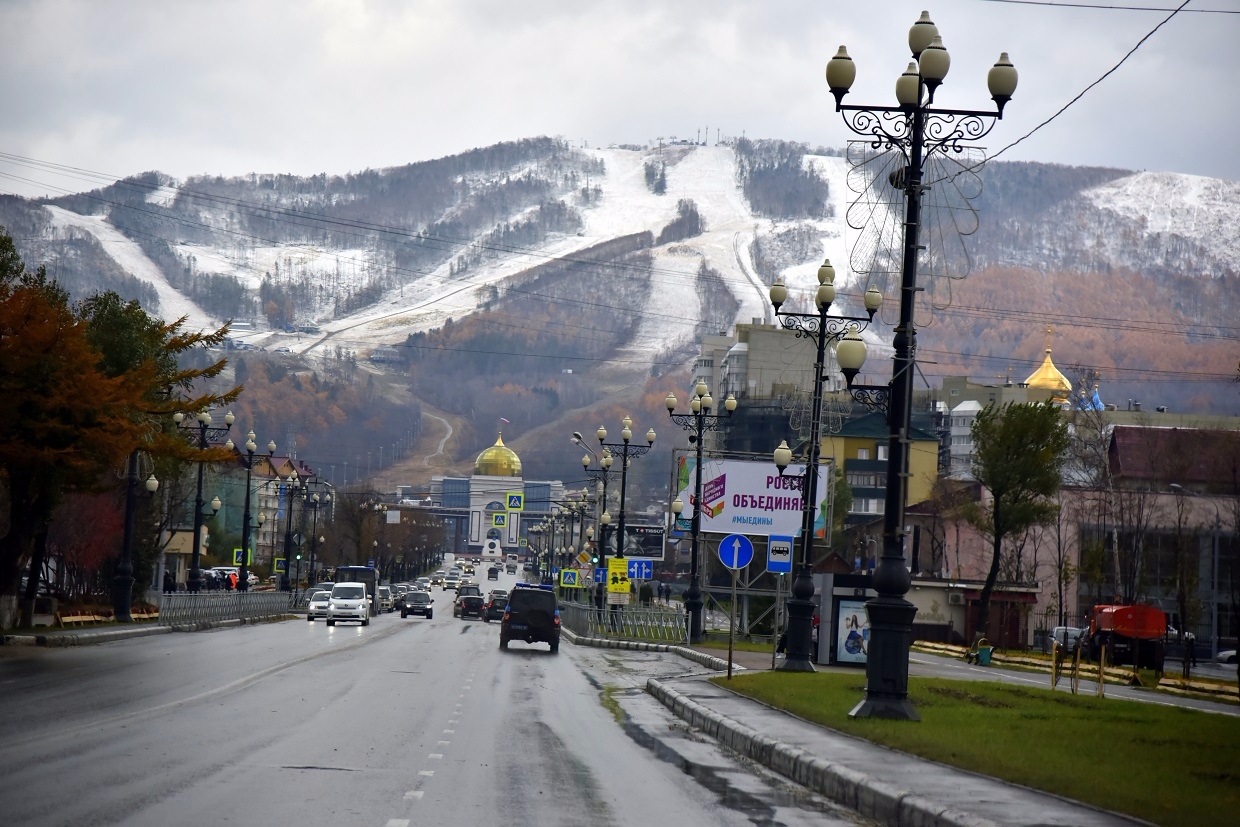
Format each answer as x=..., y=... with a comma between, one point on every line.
x=308, y=86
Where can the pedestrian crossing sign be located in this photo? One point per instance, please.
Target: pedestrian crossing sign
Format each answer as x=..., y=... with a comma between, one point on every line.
x=499, y=519
x=516, y=501
x=568, y=578
x=237, y=558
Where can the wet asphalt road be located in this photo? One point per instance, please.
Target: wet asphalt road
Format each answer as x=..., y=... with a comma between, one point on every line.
x=403, y=722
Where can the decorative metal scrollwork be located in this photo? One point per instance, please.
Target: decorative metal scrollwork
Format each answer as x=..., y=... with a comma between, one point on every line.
x=874, y=397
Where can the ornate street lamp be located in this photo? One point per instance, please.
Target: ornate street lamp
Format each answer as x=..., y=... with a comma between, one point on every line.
x=122, y=580
x=917, y=131
x=625, y=450
x=205, y=433
x=823, y=329
x=696, y=423
x=247, y=459
x=291, y=485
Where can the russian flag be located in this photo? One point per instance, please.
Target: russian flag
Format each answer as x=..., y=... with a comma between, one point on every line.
x=505, y=421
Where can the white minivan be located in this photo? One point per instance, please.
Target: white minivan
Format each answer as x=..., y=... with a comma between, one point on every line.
x=349, y=601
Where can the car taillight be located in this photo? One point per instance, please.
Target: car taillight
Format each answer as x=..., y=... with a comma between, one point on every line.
x=557, y=617
x=505, y=614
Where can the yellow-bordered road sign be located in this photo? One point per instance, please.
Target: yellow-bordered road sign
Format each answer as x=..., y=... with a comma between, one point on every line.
x=499, y=519
x=516, y=501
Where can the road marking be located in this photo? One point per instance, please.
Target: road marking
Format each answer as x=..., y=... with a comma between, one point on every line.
x=449, y=731
x=454, y=722
x=398, y=822
x=413, y=795
x=445, y=743
x=435, y=755
x=427, y=773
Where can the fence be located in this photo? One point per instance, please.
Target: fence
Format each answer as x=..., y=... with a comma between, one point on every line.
x=651, y=623
x=188, y=609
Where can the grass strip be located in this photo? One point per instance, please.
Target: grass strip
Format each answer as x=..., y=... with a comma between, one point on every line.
x=1167, y=764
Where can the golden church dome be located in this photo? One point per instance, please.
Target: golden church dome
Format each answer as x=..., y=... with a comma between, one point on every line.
x=1048, y=377
x=498, y=461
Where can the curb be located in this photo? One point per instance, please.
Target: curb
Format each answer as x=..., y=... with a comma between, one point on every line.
x=83, y=638
x=709, y=661
x=89, y=638
x=872, y=798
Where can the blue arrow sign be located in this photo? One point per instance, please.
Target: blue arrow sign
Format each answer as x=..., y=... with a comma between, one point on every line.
x=736, y=551
x=640, y=569
x=779, y=554
x=600, y=575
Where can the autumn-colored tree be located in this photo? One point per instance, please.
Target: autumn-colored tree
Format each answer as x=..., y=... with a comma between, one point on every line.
x=62, y=419
x=1019, y=458
x=79, y=392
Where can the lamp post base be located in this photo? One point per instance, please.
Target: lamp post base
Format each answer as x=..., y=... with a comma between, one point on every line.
x=886, y=667
x=800, y=634
x=693, y=605
x=122, y=597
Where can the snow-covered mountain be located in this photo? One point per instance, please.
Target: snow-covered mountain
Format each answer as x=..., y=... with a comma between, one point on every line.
x=367, y=260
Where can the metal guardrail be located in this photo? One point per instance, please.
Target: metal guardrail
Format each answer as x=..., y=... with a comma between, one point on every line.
x=647, y=623
x=188, y=609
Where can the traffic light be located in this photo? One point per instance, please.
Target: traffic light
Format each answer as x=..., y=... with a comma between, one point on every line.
x=594, y=558
x=298, y=555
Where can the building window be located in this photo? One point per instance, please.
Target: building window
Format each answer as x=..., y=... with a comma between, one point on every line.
x=882, y=452
x=955, y=392
x=863, y=453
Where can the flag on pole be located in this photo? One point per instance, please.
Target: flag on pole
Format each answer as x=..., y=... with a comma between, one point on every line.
x=505, y=421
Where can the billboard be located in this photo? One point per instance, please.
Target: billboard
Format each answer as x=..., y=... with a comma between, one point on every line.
x=642, y=541
x=749, y=497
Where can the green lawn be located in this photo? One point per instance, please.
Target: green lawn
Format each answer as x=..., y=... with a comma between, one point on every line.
x=1168, y=765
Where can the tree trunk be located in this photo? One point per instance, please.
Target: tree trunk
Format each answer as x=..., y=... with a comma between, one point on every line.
x=34, y=578
x=983, y=607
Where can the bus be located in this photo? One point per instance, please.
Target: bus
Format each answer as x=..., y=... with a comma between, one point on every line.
x=361, y=574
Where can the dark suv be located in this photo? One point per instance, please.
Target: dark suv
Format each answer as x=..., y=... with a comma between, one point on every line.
x=471, y=605
x=532, y=615
x=417, y=603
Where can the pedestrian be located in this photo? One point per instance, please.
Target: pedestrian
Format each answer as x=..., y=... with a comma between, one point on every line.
x=782, y=649
x=170, y=582
x=1192, y=649
x=660, y=591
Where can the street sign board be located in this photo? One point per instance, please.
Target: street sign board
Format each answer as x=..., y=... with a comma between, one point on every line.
x=516, y=501
x=736, y=551
x=600, y=574
x=640, y=569
x=618, y=599
x=237, y=557
x=779, y=554
x=583, y=557
x=499, y=519
x=281, y=565
x=568, y=578
x=617, y=575
x=523, y=542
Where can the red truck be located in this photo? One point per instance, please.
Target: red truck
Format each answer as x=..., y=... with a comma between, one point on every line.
x=1125, y=630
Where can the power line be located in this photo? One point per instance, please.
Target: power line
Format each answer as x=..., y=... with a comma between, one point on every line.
x=1052, y=3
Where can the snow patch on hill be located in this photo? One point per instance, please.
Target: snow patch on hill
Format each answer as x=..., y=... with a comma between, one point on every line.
x=126, y=253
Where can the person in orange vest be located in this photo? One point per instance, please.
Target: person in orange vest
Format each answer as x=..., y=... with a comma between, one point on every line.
x=232, y=580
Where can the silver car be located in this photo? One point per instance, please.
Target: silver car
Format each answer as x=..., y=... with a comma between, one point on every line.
x=320, y=602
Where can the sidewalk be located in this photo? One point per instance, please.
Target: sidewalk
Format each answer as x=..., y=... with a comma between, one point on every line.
x=882, y=784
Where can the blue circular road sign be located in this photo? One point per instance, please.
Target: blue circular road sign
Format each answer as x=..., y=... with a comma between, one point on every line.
x=736, y=551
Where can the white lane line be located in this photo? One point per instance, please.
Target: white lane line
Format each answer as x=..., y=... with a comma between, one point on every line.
x=435, y=755
x=444, y=743
x=413, y=795
x=398, y=822
x=449, y=731
x=454, y=722
x=427, y=773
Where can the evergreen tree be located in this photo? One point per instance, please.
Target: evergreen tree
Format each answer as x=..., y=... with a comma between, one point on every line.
x=1019, y=456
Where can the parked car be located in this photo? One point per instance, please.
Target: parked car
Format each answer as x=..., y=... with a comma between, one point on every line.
x=386, y=602
x=1227, y=656
x=1068, y=638
x=318, y=605
x=418, y=603
x=470, y=605
x=532, y=615
x=349, y=602
x=495, y=608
